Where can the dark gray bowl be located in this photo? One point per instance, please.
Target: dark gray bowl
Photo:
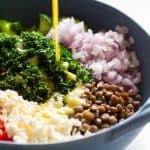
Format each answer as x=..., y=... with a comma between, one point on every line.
x=97, y=16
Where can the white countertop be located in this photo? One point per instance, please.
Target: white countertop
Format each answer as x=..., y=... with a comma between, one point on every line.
x=138, y=10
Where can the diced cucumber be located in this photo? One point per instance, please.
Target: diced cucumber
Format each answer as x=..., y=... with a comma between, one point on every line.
x=10, y=28
x=5, y=26
x=45, y=24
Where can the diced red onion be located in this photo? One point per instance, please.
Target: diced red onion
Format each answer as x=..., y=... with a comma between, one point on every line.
x=105, y=52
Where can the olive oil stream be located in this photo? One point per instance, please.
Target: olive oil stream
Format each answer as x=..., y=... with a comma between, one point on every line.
x=55, y=16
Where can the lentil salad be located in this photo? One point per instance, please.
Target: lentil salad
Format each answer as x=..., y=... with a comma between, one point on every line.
x=95, y=83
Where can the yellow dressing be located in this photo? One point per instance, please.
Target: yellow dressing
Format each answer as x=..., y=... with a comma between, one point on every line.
x=55, y=26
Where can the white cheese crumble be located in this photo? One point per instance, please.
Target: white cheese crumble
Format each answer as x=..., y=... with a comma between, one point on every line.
x=29, y=122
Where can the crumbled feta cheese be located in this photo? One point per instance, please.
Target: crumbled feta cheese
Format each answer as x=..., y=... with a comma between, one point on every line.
x=28, y=122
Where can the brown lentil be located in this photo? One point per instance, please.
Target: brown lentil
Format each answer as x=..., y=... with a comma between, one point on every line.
x=124, y=94
x=93, y=108
x=138, y=97
x=130, y=114
x=88, y=85
x=132, y=93
x=120, y=88
x=98, y=102
x=101, y=109
x=117, y=93
x=109, y=94
x=104, y=92
x=100, y=87
x=94, y=90
x=92, y=98
x=113, y=109
x=105, y=125
x=123, y=113
x=93, y=128
x=86, y=126
x=113, y=99
x=78, y=109
x=78, y=115
x=97, y=113
x=130, y=106
x=130, y=100
x=112, y=120
x=86, y=105
x=88, y=115
x=120, y=100
x=88, y=93
x=105, y=117
x=98, y=121
x=83, y=120
x=99, y=94
x=105, y=106
x=106, y=86
x=113, y=87
x=136, y=104
x=119, y=107
x=94, y=84
x=127, y=112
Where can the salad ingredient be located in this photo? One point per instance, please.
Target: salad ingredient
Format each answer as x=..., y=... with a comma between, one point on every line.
x=106, y=53
x=27, y=65
x=56, y=71
x=3, y=134
x=110, y=105
x=55, y=16
x=10, y=28
x=60, y=100
x=45, y=24
x=19, y=74
x=29, y=122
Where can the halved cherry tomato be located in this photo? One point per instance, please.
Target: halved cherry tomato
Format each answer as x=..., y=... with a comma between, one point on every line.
x=3, y=134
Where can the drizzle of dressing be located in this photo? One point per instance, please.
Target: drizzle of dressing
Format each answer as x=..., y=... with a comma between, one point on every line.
x=55, y=9
x=55, y=16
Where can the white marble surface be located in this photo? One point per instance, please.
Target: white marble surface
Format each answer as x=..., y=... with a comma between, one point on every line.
x=139, y=11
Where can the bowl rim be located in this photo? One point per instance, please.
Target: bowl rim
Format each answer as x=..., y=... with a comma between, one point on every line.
x=103, y=131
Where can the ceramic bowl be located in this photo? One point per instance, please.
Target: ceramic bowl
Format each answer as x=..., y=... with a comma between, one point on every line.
x=97, y=16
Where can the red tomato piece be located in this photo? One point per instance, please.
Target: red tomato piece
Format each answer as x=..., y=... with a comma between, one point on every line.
x=3, y=134
x=1, y=125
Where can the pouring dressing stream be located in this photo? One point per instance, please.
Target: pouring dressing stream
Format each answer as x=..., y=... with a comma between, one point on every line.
x=55, y=13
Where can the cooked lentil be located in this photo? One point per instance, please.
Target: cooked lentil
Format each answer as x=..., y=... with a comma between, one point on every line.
x=105, y=106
